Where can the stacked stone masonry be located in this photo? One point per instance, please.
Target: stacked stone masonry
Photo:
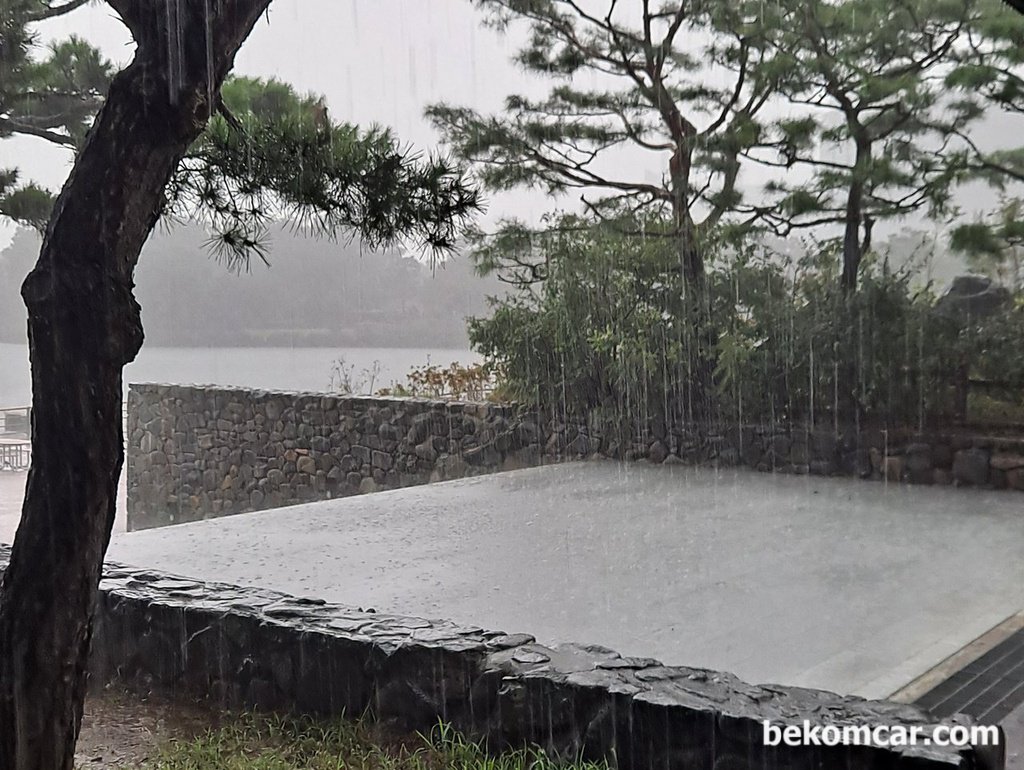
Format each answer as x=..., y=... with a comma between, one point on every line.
x=257, y=649
x=198, y=452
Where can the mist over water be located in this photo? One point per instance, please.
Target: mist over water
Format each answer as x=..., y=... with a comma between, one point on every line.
x=267, y=367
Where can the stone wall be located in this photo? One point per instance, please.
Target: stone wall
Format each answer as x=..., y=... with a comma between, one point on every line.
x=197, y=452
x=258, y=649
x=960, y=458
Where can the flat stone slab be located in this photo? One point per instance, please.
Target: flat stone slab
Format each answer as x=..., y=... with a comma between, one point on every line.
x=829, y=583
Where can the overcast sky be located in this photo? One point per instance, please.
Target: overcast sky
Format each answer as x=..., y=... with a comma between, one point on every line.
x=377, y=61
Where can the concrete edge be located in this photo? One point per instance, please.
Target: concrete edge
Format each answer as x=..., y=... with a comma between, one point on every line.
x=959, y=660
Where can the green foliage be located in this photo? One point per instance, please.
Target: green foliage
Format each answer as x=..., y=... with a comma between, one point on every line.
x=876, y=126
x=680, y=85
x=26, y=204
x=608, y=332
x=52, y=97
x=254, y=742
x=270, y=155
x=605, y=330
x=812, y=353
x=995, y=247
x=995, y=348
x=277, y=155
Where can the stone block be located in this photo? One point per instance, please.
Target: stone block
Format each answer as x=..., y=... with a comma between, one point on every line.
x=970, y=466
x=657, y=452
x=1007, y=461
x=381, y=460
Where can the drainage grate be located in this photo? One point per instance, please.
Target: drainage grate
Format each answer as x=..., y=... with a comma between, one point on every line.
x=988, y=689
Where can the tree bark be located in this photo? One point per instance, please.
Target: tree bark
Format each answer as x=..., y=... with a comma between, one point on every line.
x=700, y=396
x=851, y=239
x=84, y=325
x=854, y=247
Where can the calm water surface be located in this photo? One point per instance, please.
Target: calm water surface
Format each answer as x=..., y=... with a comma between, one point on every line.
x=278, y=368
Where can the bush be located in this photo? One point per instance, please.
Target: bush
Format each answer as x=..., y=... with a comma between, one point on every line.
x=457, y=382
x=597, y=324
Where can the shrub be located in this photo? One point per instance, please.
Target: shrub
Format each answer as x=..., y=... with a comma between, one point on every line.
x=597, y=324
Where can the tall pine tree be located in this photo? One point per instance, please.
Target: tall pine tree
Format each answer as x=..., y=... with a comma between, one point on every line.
x=680, y=83
x=163, y=141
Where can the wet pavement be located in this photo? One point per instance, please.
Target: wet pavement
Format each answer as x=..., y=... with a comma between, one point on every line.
x=845, y=585
x=12, y=493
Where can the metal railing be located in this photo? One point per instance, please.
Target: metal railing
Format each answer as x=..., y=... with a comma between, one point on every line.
x=15, y=438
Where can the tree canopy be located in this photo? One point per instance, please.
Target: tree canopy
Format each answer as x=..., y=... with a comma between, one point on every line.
x=268, y=153
x=871, y=133
x=680, y=82
x=857, y=112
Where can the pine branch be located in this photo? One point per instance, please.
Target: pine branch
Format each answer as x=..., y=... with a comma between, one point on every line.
x=19, y=127
x=54, y=11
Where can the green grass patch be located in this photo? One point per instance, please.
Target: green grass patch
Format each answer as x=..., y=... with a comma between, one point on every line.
x=256, y=742
x=982, y=407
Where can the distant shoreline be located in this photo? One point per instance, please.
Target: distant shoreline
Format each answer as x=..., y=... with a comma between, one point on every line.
x=303, y=368
x=462, y=345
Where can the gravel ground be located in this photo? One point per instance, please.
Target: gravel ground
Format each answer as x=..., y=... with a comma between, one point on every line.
x=120, y=731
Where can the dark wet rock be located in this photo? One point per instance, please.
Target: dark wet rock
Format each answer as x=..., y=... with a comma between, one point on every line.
x=483, y=456
x=893, y=468
x=1007, y=461
x=970, y=466
x=250, y=449
x=821, y=467
x=578, y=446
x=426, y=451
x=919, y=465
x=657, y=452
x=942, y=455
x=728, y=457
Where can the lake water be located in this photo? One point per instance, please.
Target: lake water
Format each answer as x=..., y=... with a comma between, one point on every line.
x=276, y=368
x=369, y=369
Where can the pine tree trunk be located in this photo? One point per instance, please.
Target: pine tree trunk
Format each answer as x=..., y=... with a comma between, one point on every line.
x=84, y=325
x=855, y=218
x=852, y=252
x=700, y=398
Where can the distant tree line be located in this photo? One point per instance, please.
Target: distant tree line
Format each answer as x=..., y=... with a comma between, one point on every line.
x=314, y=293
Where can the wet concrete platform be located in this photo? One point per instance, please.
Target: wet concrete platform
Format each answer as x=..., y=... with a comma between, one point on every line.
x=844, y=585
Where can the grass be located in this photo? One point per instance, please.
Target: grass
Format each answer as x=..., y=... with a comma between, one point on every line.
x=255, y=742
x=982, y=407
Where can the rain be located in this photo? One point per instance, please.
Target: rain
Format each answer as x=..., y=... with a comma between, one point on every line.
x=576, y=383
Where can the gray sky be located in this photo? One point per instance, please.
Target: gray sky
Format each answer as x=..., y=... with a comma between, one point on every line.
x=377, y=61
